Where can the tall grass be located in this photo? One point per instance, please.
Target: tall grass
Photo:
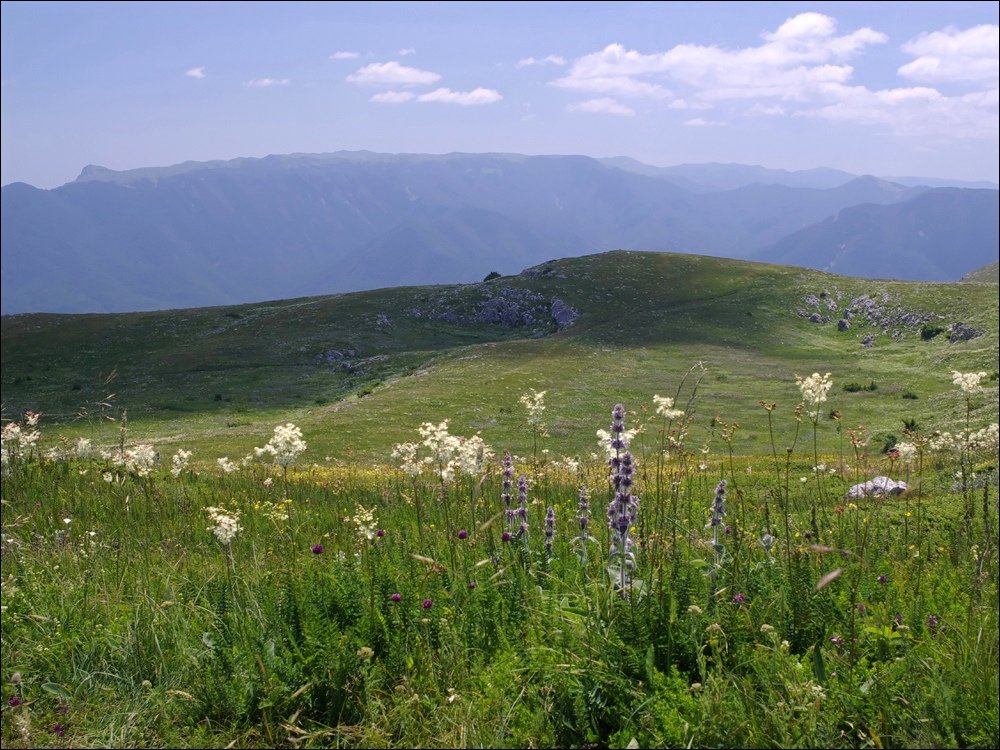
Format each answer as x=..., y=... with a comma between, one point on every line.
x=358, y=605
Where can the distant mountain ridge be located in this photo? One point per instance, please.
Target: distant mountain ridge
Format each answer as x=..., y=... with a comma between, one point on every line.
x=222, y=232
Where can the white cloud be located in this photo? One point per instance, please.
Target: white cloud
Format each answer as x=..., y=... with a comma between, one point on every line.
x=618, y=85
x=196, y=72
x=917, y=110
x=699, y=122
x=407, y=51
x=953, y=55
x=684, y=104
x=764, y=109
x=393, y=74
x=393, y=97
x=344, y=55
x=793, y=60
x=466, y=98
x=547, y=60
x=605, y=104
x=267, y=82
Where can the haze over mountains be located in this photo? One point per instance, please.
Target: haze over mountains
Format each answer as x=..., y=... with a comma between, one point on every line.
x=199, y=234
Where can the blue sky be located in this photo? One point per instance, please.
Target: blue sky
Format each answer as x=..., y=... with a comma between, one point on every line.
x=878, y=88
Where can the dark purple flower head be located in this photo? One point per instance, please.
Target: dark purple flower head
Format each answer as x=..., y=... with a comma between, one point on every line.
x=472, y=585
x=505, y=537
x=59, y=730
x=15, y=701
x=932, y=622
x=861, y=609
x=729, y=530
x=317, y=549
x=898, y=619
x=396, y=597
x=808, y=535
x=739, y=599
x=882, y=579
x=380, y=533
x=463, y=534
x=63, y=709
x=427, y=603
x=618, y=419
x=508, y=466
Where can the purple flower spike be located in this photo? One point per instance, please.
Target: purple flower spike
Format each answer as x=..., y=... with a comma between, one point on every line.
x=463, y=534
x=505, y=537
x=739, y=599
x=882, y=579
x=317, y=549
x=472, y=585
x=59, y=730
x=380, y=533
x=427, y=603
x=396, y=597
x=15, y=701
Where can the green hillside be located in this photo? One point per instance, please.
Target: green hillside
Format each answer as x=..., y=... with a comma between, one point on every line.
x=358, y=372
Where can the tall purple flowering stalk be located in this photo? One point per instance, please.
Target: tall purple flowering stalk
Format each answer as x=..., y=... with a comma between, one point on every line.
x=522, y=508
x=718, y=513
x=550, y=530
x=508, y=486
x=623, y=509
x=583, y=518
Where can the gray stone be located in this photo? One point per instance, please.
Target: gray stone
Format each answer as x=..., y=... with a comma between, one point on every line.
x=878, y=487
x=563, y=314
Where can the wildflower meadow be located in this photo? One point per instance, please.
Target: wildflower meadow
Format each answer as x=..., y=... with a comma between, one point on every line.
x=821, y=591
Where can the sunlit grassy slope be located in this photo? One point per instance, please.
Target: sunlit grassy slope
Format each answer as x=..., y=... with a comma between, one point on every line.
x=217, y=379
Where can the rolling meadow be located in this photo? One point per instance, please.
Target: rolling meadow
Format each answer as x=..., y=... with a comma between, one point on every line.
x=613, y=501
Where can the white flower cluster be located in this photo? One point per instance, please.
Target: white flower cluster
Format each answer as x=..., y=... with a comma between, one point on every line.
x=365, y=522
x=665, y=407
x=285, y=445
x=225, y=523
x=907, y=452
x=986, y=440
x=814, y=390
x=179, y=462
x=534, y=402
x=445, y=453
x=227, y=466
x=82, y=448
x=16, y=441
x=139, y=458
x=969, y=382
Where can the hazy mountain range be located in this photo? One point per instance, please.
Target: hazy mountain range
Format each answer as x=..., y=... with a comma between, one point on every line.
x=210, y=233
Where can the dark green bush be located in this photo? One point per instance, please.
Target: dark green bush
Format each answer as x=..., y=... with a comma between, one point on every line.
x=927, y=331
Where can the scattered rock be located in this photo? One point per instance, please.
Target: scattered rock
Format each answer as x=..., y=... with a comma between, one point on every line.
x=843, y=325
x=563, y=314
x=878, y=487
x=962, y=332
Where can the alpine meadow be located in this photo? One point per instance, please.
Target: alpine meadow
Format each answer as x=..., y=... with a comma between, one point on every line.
x=410, y=374
x=627, y=499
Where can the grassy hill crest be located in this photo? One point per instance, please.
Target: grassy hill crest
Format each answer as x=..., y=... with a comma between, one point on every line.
x=360, y=371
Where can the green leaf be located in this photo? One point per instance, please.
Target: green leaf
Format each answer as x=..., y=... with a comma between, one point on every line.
x=698, y=563
x=56, y=689
x=819, y=668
